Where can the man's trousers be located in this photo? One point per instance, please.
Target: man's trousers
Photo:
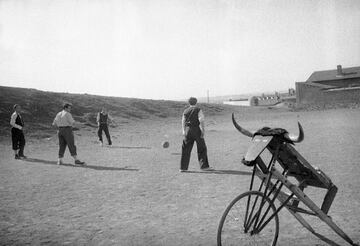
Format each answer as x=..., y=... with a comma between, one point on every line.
x=193, y=134
x=104, y=127
x=18, y=140
x=66, y=138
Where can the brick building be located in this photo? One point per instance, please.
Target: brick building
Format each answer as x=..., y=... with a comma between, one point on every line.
x=341, y=85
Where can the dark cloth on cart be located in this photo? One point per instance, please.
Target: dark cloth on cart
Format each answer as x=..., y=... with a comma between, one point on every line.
x=276, y=132
x=267, y=131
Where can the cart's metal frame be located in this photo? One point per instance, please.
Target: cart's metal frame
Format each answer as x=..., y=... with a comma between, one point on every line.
x=286, y=162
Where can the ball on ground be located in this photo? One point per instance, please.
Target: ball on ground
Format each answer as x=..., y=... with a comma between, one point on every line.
x=165, y=144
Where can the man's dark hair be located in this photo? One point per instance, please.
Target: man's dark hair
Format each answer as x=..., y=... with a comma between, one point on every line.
x=192, y=101
x=66, y=105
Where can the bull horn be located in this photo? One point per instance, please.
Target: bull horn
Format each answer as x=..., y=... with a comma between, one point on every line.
x=242, y=130
x=299, y=138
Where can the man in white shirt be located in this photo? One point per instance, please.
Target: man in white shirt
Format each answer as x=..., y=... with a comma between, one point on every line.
x=193, y=128
x=64, y=121
x=17, y=134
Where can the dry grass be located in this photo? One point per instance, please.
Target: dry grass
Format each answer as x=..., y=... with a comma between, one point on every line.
x=40, y=107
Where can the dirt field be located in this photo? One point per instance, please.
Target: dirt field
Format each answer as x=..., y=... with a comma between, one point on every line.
x=133, y=193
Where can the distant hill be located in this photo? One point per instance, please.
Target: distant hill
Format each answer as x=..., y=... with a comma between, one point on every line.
x=40, y=107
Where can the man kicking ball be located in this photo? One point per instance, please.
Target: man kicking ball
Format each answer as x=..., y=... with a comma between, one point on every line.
x=193, y=128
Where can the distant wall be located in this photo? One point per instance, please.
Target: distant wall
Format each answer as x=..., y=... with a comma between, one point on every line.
x=267, y=101
x=308, y=94
x=255, y=101
x=264, y=101
x=238, y=103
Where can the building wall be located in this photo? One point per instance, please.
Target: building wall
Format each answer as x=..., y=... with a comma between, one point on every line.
x=307, y=94
x=344, y=96
x=343, y=82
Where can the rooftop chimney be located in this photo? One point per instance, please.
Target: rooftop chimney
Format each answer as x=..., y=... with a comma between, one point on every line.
x=339, y=71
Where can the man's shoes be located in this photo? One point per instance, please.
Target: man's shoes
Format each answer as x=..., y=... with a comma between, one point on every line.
x=78, y=162
x=207, y=169
x=22, y=156
x=17, y=157
x=100, y=143
x=182, y=170
x=59, y=162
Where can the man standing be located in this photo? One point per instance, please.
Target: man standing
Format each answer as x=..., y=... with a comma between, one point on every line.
x=193, y=128
x=102, y=121
x=64, y=121
x=17, y=134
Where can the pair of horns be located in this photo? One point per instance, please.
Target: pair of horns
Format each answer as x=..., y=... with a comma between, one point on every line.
x=294, y=139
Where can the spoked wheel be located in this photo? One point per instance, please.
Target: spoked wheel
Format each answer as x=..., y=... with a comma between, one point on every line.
x=246, y=221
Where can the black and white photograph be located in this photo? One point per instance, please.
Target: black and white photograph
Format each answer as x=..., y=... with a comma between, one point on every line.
x=180, y=122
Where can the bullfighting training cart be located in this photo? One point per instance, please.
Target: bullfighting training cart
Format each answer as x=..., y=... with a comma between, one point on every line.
x=252, y=217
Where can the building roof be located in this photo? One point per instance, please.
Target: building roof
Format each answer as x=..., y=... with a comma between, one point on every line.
x=348, y=73
x=322, y=86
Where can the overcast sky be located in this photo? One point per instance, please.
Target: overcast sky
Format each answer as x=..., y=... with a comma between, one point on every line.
x=173, y=49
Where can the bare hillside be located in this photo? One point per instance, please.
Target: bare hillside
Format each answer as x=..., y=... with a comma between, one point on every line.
x=40, y=107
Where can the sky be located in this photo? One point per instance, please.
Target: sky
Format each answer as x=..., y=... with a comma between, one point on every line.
x=174, y=49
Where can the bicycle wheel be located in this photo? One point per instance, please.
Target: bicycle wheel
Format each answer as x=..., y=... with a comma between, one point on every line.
x=246, y=221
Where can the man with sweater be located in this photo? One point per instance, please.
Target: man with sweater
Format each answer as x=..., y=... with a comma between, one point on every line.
x=193, y=128
x=17, y=134
x=102, y=120
x=64, y=122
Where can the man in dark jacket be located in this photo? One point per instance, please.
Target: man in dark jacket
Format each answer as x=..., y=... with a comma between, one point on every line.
x=17, y=134
x=102, y=120
x=193, y=128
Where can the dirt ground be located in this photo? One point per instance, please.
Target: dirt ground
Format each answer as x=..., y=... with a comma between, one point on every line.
x=134, y=194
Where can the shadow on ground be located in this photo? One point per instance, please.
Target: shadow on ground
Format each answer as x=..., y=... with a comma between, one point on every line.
x=232, y=172
x=101, y=168
x=327, y=240
x=126, y=147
